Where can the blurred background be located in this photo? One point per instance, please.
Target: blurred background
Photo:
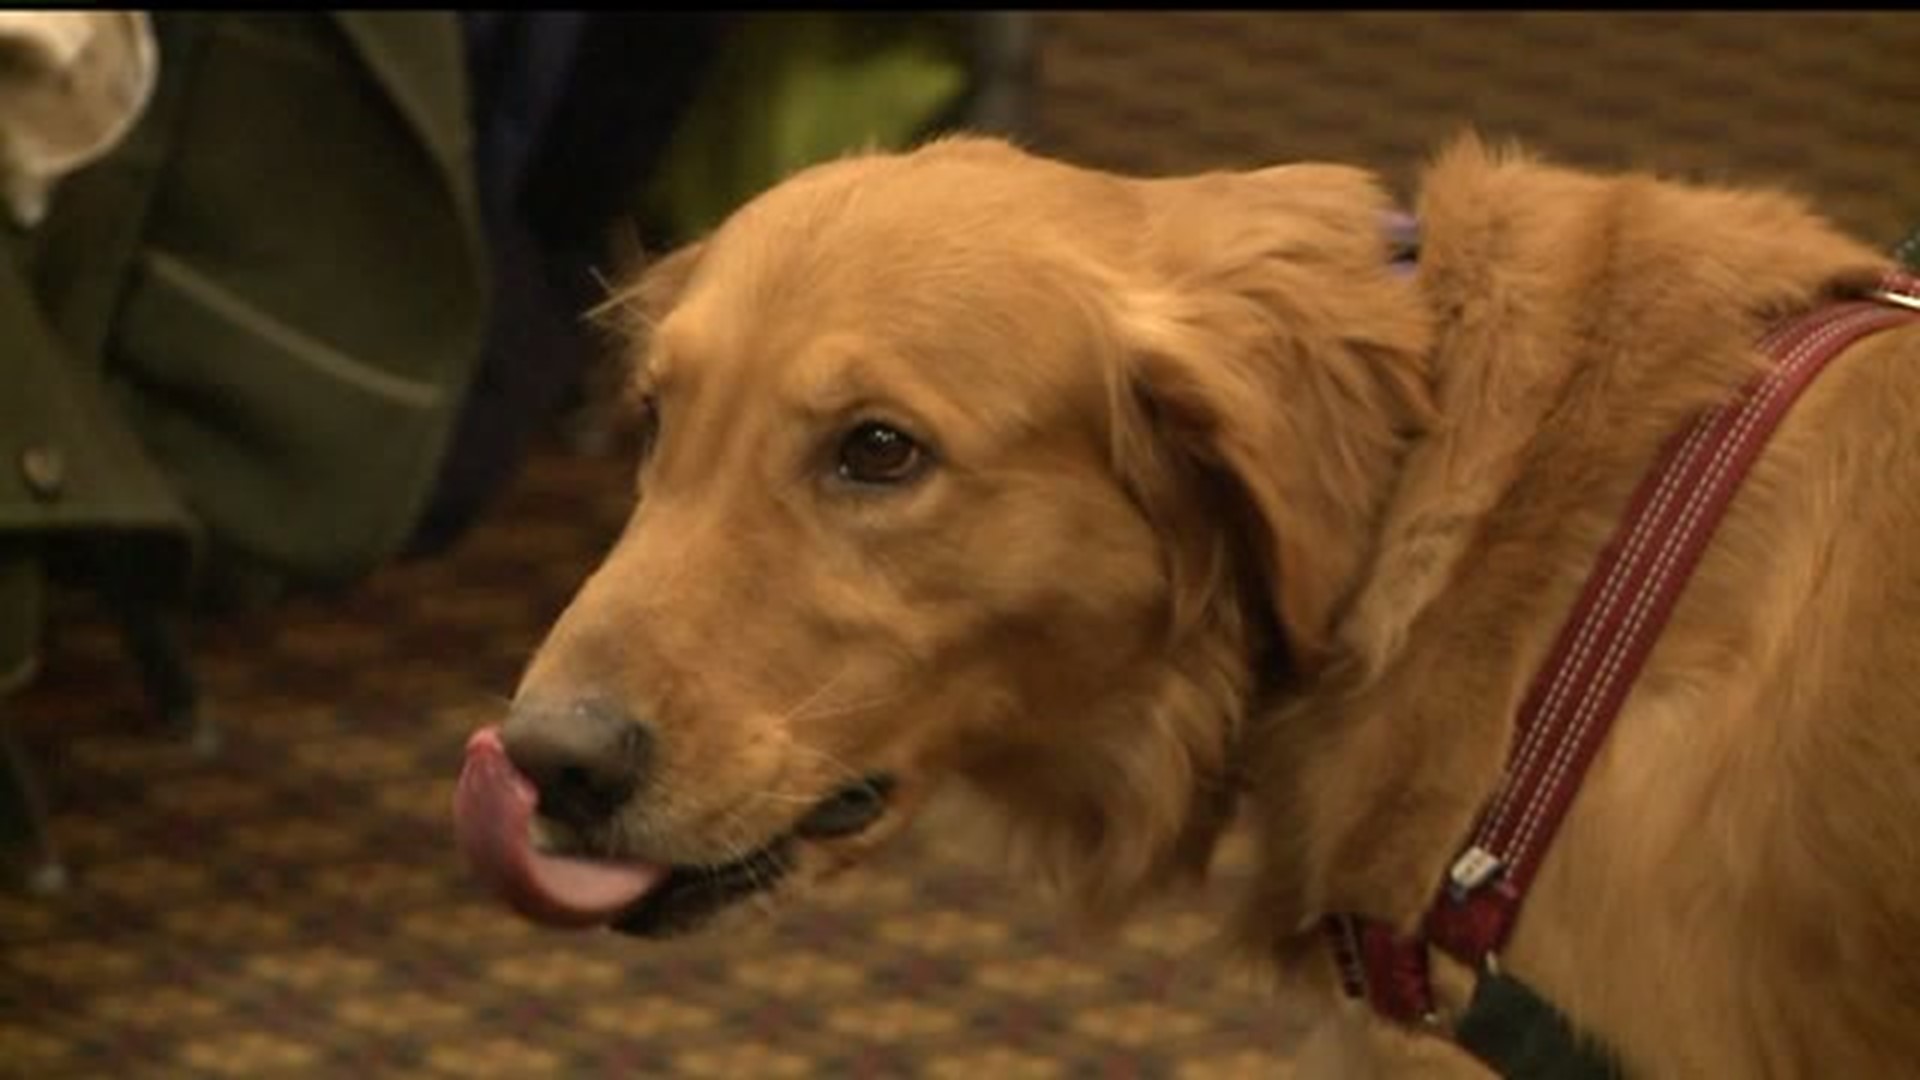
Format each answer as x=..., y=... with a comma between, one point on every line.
x=303, y=442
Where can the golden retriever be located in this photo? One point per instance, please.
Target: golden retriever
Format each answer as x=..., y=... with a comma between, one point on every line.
x=1136, y=505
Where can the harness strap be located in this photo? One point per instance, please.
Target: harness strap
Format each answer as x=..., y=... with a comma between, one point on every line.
x=1639, y=576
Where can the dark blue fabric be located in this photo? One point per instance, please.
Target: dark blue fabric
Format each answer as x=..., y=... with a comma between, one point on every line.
x=568, y=110
x=519, y=64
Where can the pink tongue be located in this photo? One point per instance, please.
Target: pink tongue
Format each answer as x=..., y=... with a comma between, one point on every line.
x=493, y=811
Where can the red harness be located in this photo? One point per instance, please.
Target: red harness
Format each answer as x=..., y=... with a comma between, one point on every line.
x=1566, y=714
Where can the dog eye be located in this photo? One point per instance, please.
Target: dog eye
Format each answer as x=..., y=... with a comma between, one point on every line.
x=875, y=453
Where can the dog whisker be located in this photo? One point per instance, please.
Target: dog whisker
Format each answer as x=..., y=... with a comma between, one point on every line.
x=781, y=797
x=839, y=769
x=845, y=769
x=847, y=708
x=798, y=710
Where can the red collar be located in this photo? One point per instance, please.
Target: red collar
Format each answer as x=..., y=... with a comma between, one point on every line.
x=1565, y=716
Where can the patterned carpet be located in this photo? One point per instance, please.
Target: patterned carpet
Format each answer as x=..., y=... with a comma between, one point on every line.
x=1819, y=102
x=295, y=908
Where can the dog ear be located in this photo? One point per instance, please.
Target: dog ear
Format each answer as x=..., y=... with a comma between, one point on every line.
x=647, y=291
x=1271, y=345
x=662, y=282
x=646, y=288
x=641, y=295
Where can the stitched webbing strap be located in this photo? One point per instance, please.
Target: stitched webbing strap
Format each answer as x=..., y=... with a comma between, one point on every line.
x=1641, y=574
x=1567, y=711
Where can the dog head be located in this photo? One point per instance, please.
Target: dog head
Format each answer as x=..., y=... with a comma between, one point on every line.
x=960, y=464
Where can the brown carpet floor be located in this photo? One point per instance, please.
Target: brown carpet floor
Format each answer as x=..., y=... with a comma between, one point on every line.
x=1820, y=102
x=295, y=907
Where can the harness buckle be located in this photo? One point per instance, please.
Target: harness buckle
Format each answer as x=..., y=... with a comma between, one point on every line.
x=1898, y=299
x=1474, y=868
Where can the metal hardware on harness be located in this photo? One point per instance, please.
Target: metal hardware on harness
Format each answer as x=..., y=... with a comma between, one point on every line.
x=1888, y=296
x=1639, y=577
x=1475, y=867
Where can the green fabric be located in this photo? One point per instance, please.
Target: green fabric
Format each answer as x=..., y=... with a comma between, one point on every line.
x=56, y=409
x=280, y=274
x=68, y=466
x=1521, y=1037
x=794, y=89
x=21, y=611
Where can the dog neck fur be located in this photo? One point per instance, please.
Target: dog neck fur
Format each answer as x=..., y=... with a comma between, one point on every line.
x=1134, y=804
x=1250, y=289
x=1558, y=369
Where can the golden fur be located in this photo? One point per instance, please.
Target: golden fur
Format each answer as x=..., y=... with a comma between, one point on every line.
x=1226, y=517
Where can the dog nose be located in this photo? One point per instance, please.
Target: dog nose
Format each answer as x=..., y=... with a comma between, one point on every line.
x=586, y=758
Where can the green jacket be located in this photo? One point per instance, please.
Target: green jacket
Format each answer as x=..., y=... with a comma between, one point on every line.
x=254, y=320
